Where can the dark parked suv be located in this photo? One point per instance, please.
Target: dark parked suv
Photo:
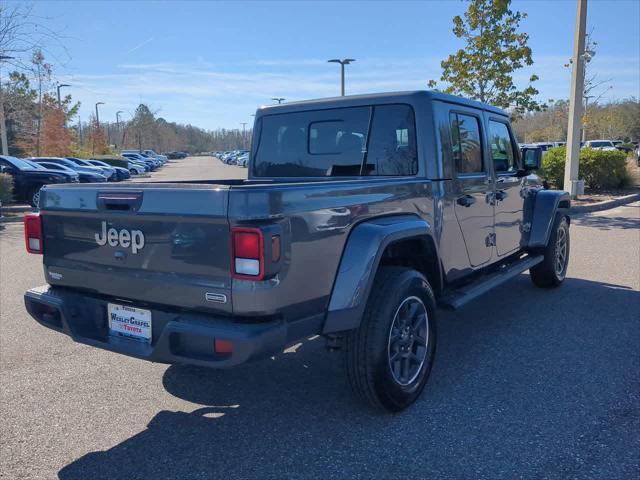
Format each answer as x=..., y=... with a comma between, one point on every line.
x=29, y=179
x=360, y=216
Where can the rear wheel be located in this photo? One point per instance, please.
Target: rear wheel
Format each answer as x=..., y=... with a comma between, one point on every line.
x=552, y=271
x=389, y=357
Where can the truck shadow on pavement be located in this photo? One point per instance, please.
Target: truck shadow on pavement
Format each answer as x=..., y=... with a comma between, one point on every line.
x=520, y=376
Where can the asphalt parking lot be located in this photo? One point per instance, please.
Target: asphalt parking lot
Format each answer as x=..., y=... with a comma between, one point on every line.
x=527, y=383
x=194, y=168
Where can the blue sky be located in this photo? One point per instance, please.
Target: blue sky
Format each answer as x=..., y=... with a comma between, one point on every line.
x=212, y=64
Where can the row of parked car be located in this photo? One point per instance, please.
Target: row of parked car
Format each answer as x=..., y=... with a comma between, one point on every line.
x=141, y=161
x=30, y=174
x=176, y=155
x=234, y=157
x=610, y=145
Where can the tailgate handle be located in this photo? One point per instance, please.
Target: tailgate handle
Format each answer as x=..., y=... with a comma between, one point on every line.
x=119, y=201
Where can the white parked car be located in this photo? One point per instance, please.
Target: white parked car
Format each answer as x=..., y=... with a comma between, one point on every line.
x=242, y=160
x=606, y=145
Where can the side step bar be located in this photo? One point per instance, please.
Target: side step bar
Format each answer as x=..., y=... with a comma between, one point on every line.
x=458, y=298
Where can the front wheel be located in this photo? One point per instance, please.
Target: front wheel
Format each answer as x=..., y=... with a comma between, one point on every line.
x=552, y=271
x=34, y=196
x=389, y=357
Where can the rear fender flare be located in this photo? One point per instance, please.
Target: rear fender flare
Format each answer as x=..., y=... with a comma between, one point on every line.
x=546, y=204
x=359, y=264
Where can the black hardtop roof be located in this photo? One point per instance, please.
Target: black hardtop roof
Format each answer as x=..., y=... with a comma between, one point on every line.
x=373, y=98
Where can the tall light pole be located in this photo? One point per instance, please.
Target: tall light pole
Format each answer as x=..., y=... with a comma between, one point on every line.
x=97, y=116
x=60, y=85
x=278, y=99
x=571, y=180
x=343, y=62
x=244, y=133
x=118, y=122
x=3, y=124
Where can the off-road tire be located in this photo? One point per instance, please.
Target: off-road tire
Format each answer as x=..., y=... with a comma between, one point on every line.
x=547, y=273
x=368, y=349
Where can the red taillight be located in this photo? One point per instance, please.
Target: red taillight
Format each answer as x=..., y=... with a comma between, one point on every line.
x=223, y=346
x=247, y=244
x=247, y=253
x=33, y=233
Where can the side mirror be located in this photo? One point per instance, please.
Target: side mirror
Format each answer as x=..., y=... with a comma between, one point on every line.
x=532, y=158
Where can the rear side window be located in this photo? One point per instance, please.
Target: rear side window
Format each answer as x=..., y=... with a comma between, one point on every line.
x=372, y=140
x=465, y=143
x=392, y=146
x=502, y=150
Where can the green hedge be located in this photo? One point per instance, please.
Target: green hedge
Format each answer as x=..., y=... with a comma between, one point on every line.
x=626, y=147
x=115, y=160
x=598, y=168
x=6, y=188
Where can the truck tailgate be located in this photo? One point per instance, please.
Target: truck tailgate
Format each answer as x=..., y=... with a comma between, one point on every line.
x=150, y=243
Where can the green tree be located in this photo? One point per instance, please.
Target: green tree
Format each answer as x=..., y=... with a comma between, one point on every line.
x=493, y=50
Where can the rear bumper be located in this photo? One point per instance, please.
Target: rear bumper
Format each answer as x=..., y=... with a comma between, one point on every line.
x=177, y=337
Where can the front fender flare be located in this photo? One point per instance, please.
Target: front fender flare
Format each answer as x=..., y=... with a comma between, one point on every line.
x=359, y=264
x=546, y=204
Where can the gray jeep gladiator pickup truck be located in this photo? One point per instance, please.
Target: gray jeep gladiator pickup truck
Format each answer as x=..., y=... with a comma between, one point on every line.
x=359, y=217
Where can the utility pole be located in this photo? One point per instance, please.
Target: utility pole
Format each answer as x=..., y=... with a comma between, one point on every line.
x=60, y=85
x=3, y=123
x=572, y=183
x=342, y=63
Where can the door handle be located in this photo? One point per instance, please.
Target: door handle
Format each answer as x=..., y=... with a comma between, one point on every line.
x=466, y=200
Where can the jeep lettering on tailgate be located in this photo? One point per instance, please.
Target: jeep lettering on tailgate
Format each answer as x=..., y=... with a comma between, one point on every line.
x=124, y=238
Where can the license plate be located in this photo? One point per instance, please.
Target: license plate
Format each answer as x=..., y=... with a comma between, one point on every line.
x=130, y=322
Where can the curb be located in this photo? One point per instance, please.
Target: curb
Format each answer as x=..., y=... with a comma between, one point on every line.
x=596, y=207
x=16, y=208
x=15, y=219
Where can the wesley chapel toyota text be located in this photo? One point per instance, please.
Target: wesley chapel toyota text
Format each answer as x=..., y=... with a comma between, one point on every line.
x=359, y=217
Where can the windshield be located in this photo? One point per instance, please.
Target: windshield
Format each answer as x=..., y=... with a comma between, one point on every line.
x=55, y=166
x=370, y=140
x=77, y=161
x=34, y=165
x=18, y=163
x=600, y=144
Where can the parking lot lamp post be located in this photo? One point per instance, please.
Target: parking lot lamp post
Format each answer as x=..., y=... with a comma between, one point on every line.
x=244, y=133
x=343, y=62
x=118, y=124
x=571, y=180
x=60, y=85
x=278, y=99
x=97, y=115
x=3, y=124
